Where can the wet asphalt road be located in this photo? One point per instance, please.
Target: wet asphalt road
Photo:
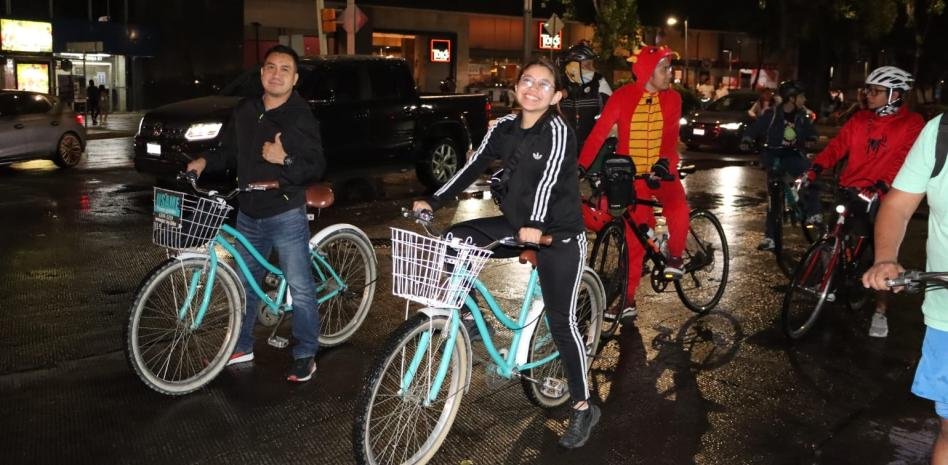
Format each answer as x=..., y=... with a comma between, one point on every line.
x=675, y=389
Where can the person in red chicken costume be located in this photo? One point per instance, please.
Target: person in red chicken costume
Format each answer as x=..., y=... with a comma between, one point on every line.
x=646, y=113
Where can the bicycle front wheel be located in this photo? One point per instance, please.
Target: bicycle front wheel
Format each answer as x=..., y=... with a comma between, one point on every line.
x=707, y=262
x=162, y=346
x=396, y=426
x=352, y=258
x=610, y=261
x=589, y=312
x=810, y=289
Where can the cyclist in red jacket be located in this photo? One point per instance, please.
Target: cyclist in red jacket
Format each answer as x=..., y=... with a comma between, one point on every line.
x=646, y=114
x=877, y=141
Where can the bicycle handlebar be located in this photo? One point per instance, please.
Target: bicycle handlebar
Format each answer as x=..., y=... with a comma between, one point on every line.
x=426, y=217
x=192, y=178
x=914, y=280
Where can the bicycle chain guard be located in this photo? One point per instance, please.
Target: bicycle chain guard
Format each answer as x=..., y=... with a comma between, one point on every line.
x=265, y=316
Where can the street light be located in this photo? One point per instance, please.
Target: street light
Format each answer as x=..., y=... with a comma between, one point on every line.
x=672, y=21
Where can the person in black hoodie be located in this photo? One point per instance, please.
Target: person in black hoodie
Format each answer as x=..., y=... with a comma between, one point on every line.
x=277, y=138
x=540, y=195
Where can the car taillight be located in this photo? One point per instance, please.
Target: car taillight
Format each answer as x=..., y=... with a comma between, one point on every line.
x=487, y=108
x=80, y=119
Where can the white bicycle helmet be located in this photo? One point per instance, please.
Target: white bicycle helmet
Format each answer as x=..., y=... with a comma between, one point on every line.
x=891, y=78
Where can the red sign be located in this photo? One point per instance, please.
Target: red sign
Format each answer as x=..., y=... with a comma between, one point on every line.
x=440, y=51
x=548, y=42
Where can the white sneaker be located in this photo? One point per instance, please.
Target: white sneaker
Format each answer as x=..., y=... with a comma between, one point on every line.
x=816, y=218
x=879, y=326
x=628, y=314
x=766, y=244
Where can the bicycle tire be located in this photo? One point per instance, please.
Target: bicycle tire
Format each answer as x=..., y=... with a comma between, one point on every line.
x=171, y=370
x=589, y=311
x=810, y=289
x=610, y=261
x=707, y=261
x=385, y=374
x=352, y=257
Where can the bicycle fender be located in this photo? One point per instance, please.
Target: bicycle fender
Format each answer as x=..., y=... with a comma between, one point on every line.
x=432, y=312
x=322, y=234
x=222, y=265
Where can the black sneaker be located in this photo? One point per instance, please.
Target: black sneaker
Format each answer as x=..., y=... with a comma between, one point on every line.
x=581, y=423
x=302, y=370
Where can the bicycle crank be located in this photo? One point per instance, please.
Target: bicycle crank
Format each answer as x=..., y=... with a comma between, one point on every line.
x=657, y=279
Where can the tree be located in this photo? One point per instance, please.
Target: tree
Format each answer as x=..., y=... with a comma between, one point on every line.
x=616, y=24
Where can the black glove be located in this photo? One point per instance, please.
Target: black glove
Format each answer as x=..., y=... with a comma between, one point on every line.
x=581, y=172
x=881, y=186
x=660, y=172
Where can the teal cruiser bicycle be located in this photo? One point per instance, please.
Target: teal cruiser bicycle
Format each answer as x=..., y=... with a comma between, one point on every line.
x=186, y=317
x=414, y=388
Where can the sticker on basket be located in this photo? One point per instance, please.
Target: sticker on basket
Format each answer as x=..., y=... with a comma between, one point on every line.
x=168, y=207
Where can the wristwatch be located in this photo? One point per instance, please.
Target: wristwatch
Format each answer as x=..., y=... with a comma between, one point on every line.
x=288, y=161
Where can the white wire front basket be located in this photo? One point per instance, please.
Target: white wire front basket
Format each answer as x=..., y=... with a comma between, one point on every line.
x=186, y=221
x=434, y=272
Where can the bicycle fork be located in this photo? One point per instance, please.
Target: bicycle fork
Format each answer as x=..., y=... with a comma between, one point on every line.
x=424, y=350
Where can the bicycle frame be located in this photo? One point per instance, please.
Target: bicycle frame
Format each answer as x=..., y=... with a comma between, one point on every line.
x=507, y=365
x=273, y=305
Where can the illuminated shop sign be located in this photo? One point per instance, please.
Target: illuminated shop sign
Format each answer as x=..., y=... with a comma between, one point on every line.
x=440, y=51
x=26, y=36
x=546, y=41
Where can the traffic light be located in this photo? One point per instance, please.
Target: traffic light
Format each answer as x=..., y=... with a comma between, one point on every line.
x=328, y=16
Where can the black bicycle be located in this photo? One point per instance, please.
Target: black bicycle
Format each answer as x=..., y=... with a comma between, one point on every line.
x=706, y=256
x=919, y=281
x=783, y=191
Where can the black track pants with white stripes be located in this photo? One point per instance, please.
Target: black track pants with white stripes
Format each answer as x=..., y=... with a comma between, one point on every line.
x=560, y=268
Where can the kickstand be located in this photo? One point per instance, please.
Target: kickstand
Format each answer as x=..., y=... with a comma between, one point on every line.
x=279, y=342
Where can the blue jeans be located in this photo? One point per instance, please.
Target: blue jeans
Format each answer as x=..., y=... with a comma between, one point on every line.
x=288, y=233
x=777, y=163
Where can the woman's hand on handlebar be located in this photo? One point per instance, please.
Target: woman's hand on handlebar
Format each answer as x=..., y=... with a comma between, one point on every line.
x=529, y=235
x=877, y=276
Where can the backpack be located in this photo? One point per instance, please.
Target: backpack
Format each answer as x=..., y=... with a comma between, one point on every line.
x=941, y=146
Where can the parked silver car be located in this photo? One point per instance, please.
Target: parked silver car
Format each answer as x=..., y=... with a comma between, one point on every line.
x=38, y=126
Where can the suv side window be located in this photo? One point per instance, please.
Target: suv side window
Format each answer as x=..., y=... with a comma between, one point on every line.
x=8, y=105
x=338, y=82
x=387, y=81
x=34, y=104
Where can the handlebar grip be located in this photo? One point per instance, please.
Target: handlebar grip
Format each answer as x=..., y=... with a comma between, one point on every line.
x=263, y=185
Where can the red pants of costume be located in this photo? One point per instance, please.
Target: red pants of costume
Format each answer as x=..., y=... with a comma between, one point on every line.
x=671, y=194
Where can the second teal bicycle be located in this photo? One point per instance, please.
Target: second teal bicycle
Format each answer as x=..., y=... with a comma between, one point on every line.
x=186, y=317
x=414, y=388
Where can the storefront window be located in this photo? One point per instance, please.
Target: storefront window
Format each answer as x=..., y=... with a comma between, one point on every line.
x=33, y=77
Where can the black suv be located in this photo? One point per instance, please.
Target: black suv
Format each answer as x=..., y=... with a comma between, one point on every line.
x=368, y=109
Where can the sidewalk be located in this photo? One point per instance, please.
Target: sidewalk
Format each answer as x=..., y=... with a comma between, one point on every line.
x=121, y=124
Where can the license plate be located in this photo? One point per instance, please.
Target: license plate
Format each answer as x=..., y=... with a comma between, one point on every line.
x=153, y=149
x=698, y=131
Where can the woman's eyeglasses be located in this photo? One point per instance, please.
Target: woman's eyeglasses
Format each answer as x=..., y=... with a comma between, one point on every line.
x=873, y=91
x=542, y=84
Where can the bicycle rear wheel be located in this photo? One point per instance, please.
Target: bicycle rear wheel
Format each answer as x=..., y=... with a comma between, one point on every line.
x=610, y=261
x=168, y=354
x=810, y=289
x=352, y=257
x=707, y=262
x=396, y=427
x=589, y=310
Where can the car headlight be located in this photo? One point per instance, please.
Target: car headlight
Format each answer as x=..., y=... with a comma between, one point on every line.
x=683, y=121
x=731, y=126
x=203, y=131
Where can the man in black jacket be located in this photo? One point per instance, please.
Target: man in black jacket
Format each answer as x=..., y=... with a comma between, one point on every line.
x=277, y=138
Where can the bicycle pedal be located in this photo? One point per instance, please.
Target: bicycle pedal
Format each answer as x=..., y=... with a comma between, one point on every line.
x=553, y=387
x=279, y=342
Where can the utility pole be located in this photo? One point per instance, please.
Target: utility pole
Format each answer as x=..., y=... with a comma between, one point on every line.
x=527, y=21
x=351, y=29
x=320, y=5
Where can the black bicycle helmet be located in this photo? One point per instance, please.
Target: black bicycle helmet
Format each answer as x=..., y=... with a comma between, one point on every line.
x=578, y=52
x=790, y=88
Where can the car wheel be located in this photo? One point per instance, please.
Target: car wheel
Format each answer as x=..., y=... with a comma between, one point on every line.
x=68, y=151
x=442, y=160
